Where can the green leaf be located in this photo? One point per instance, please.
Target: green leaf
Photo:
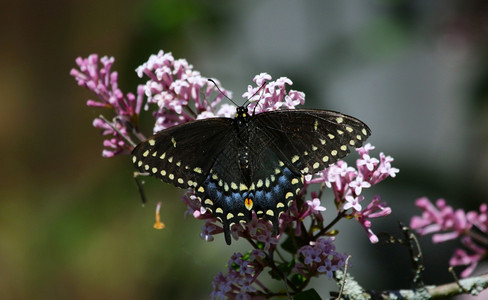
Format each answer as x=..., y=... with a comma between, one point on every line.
x=310, y=294
x=298, y=279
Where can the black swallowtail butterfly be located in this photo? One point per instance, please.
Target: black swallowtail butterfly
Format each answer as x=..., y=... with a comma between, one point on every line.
x=249, y=163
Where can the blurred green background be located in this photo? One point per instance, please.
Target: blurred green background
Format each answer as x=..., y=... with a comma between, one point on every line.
x=71, y=222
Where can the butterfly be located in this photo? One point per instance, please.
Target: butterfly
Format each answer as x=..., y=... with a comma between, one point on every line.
x=249, y=163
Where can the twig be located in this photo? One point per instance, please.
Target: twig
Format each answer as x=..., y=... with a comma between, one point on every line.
x=344, y=278
x=456, y=279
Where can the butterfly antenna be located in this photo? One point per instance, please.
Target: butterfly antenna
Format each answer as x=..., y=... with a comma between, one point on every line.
x=262, y=86
x=216, y=86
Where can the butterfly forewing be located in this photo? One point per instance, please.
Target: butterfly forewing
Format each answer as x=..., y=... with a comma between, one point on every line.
x=309, y=140
x=183, y=155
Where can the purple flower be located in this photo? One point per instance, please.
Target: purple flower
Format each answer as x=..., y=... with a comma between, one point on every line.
x=242, y=274
x=207, y=231
x=327, y=268
x=266, y=237
x=319, y=257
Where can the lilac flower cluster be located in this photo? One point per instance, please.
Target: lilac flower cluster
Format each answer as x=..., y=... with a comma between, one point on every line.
x=347, y=183
x=319, y=257
x=274, y=96
x=176, y=89
x=180, y=94
x=241, y=281
x=445, y=224
x=126, y=109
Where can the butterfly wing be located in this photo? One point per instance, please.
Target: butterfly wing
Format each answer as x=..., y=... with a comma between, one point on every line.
x=182, y=155
x=309, y=140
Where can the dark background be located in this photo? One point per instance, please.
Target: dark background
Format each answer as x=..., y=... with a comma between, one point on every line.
x=71, y=223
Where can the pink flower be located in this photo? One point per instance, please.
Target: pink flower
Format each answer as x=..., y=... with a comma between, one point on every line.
x=447, y=224
x=463, y=258
x=103, y=83
x=172, y=86
x=440, y=218
x=315, y=205
x=375, y=209
x=353, y=202
x=358, y=184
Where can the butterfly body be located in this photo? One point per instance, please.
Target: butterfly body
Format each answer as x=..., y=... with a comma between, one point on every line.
x=251, y=162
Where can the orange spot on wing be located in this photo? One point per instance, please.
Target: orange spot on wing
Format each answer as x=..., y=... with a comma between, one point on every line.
x=248, y=203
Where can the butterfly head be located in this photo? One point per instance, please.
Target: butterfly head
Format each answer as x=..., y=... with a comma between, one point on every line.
x=242, y=115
